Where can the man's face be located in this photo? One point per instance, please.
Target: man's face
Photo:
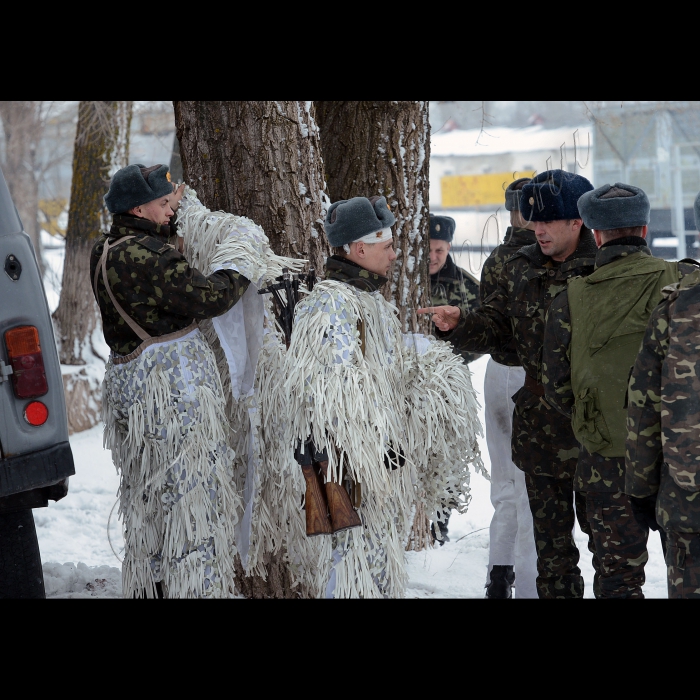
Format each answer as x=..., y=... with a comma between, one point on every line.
x=559, y=238
x=438, y=255
x=375, y=257
x=158, y=211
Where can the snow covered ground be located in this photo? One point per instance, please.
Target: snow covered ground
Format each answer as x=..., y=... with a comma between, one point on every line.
x=79, y=561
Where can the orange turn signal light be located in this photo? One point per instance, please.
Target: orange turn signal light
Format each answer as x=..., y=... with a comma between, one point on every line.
x=23, y=340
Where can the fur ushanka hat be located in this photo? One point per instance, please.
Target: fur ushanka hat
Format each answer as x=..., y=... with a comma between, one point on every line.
x=442, y=228
x=129, y=188
x=553, y=195
x=513, y=192
x=614, y=206
x=360, y=217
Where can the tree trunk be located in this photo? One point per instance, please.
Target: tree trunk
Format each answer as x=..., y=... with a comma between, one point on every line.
x=23, y=127
x=261, y=160
x=384, y=148
x=101, y=148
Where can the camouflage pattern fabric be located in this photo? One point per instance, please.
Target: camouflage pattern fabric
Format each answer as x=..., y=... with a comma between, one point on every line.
x=663, y=444
x=543, y=443
x=620, y=537
x=594, y=472
x=683, y=565
x=513, y=241
x=155, y=284
x=454, y=286
x=552, y=505
x=516, y=310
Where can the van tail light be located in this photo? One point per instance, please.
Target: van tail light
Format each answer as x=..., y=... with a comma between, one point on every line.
x=36, y=413
x=28, y=374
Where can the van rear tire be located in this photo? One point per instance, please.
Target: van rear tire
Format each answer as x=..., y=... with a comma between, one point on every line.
x=21, y=575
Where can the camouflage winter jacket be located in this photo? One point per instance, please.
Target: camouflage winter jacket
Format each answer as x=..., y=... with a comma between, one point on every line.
x=663, y=418
x=454, y=286
x=516, y=310
x=594, y=472
x=513, y=241
x=155, y=284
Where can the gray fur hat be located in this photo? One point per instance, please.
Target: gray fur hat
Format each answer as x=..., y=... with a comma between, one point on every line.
x=696, y=208
x=513, y=192
x=351, y=219
x=614, y=206
x=129, y=188
x=442, y=228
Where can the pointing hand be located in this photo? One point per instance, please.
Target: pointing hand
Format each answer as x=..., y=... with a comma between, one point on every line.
x=444, y=317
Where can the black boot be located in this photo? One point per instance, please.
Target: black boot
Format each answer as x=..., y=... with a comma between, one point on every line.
x=502, y=579
x=443, y=532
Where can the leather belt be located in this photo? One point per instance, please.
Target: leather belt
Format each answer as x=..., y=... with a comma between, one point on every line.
x=534, y=386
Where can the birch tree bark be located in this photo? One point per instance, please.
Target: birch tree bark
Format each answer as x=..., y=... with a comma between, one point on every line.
x=384, y=148
x=261, y=160
x=101, y=148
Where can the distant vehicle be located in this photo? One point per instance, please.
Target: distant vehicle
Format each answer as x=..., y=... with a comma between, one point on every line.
x=35, y=455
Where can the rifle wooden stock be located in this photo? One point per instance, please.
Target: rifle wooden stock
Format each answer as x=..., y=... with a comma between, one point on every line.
x=343, y=515
x=317, y=520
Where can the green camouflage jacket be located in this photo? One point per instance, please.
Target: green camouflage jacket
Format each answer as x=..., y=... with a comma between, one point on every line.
x=516, y=310
x=155, y=284
x=513, y=241
x=663, y=418
x=594, y=472
x=456, y=287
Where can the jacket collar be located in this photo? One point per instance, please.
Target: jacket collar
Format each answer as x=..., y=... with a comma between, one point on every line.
x=585, y=250
x=343, y=270
x=128, y=225
x=447, y=272
x=620, y=248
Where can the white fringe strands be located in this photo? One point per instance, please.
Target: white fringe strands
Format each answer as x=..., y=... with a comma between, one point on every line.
x=167, y=430
x=218, y=240
x=408, y=393
x=266, y=473
x=442, y=426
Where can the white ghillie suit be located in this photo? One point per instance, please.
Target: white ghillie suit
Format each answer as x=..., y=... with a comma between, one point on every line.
x=164, y=418
x=250, y=350
x=359, y=388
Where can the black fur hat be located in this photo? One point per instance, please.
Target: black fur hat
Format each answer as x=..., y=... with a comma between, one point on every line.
x=442, y=227
x=129, y=188
x=513, y=192
x=553, y=195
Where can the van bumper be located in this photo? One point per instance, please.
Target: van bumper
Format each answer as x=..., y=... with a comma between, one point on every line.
x=36, y=469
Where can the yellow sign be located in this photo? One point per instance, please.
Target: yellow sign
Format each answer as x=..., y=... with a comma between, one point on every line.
x=478, y=190
x=49, y=212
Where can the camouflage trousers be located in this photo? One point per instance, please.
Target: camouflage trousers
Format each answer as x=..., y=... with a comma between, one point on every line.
x=552, y=505
x=544, y=447
x=620, y=530
x=683, y=564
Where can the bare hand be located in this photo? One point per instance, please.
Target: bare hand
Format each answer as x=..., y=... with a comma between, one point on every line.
x=177, y=195
x=444, y=317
